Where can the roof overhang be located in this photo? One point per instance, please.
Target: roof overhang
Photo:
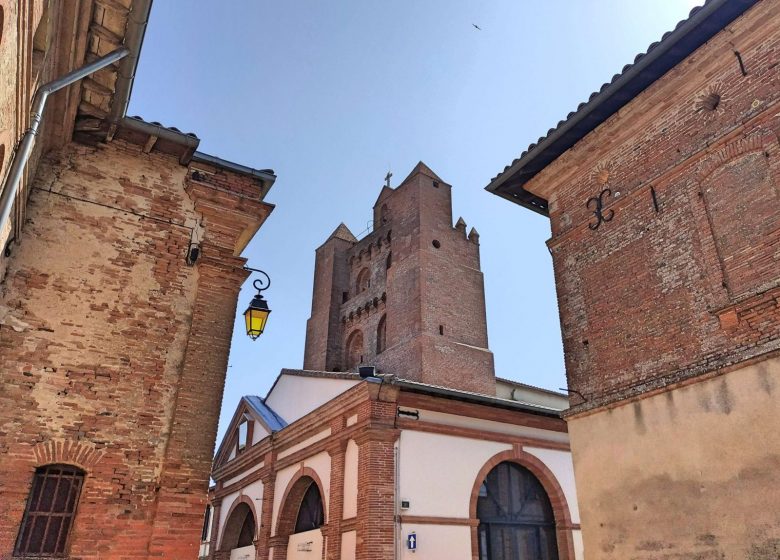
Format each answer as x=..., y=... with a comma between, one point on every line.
x=702, y=24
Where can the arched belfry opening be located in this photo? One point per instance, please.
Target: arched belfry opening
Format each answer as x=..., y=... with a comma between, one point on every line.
x=516, y=518
x=381, y=335
x=363, y=281
x=354, y=351
x=240, y=528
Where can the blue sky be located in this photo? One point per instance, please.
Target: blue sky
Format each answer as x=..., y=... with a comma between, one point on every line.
x=332, y=94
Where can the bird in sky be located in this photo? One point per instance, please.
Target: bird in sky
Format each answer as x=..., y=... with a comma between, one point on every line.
x=476, y=26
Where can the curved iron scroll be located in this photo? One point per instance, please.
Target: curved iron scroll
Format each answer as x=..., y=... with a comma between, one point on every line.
x=598, y=209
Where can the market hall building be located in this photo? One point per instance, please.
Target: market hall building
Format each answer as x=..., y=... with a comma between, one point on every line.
x=428, y=457
x=663, y=193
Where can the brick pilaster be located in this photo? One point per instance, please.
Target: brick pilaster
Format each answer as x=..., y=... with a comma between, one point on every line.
x=336, y=502
x=266, y=511
x=184, y=480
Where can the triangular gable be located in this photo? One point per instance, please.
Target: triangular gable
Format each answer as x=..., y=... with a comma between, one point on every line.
x=255, y=409
x=422, y=169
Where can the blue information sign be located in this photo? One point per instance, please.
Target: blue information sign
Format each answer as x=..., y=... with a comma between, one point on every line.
x=411, y=541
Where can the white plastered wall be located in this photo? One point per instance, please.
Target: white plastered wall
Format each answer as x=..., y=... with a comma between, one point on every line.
x=350, y=480
x=437, y=474
x=348, y=545
x=293, y=397
x=258, y=432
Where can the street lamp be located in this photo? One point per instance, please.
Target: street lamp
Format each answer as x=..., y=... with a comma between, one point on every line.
x=256, y=315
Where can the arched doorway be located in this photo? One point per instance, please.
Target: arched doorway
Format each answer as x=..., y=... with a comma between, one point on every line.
x=516, y=518
x=301, y=520
x=239, y=534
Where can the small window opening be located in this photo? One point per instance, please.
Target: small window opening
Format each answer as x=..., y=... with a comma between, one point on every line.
x=243, y=433
x=441, y=329
x=344, y=297
x=389, y=261
x=436, y=244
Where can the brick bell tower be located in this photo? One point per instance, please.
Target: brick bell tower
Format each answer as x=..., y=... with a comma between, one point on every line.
x=408, y=298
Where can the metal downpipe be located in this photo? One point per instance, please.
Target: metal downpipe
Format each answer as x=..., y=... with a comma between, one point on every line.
x=22, y=154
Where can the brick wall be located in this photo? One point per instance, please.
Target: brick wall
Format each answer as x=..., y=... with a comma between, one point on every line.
x=113, y=350
x=658, y=295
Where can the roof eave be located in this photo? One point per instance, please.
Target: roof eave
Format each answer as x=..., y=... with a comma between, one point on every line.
x=475, y=398
x=565, y=135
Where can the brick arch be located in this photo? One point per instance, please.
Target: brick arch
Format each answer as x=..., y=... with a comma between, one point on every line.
x=761, y=141
x=83, y=455
x=560, y=507
x=229, y=530
x=291, y=502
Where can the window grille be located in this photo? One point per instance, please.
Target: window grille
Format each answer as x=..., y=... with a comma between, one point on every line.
x=51, y=506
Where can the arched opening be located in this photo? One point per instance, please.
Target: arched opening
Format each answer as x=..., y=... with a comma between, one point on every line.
x=516, y=518
x=384, y=214
x=381, y=335
x=311, y=514
x=389, y=261
x=301, y=518
x=363, y=281
x=240, y=529
x=354, y=350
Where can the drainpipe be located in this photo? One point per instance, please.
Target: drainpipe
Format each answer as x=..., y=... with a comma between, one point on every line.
x=137, y=20
x=22, y=154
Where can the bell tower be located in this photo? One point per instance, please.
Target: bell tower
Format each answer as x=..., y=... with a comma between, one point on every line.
x=408, y=298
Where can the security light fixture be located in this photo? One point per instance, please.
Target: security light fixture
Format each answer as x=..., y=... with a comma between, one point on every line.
x=256, y=315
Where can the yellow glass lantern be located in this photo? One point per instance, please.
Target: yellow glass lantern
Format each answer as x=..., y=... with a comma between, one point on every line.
x=256, y=315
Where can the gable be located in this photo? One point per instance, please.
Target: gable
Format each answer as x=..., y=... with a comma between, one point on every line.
x=294, y=396
x=262, y=419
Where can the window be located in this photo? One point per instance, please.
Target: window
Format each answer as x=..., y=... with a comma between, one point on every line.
x=310, y=514
x=50, y=509
x=384, y=214
x=243, y=434
x=381, y=335
x=389, y=261
x=515, y=516
x=363, y=281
